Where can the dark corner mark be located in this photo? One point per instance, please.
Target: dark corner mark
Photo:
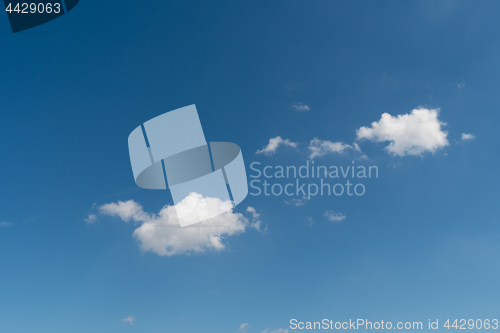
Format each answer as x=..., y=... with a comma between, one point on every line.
x=25, y=15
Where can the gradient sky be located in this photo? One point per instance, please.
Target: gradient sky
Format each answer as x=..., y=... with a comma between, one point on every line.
x=422, y=243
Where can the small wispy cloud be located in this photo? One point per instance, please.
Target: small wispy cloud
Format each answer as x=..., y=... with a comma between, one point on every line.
x=297, y=202
x=301, y=107
x=310, y=221
x=274, y=144
x=243, y=327
x=6, y=224
x=461, y=84
x=256, y=222
x=318, y=148
x=129, y=320
x=468, y=136
x=279, y=330
x=395, y=165
x=334, y=217
x=92, y=218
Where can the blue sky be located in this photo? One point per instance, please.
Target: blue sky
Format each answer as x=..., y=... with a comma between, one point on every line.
x=422, y=243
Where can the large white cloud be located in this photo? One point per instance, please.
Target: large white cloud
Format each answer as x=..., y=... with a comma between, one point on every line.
x=409, y=134
x=161, y=233
x=274, y=144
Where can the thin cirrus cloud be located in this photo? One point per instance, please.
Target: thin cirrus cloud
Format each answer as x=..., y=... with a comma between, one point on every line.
x=468, y=136
x=243, y=327
x=334, y=217
x=129, y=320
x=274, y=144
x=6, y=224
x=301, y=107
x=162, y=234
x=408, y=134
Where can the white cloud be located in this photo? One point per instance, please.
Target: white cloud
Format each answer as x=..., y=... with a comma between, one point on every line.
x=129, y=210
x=129, y=319
x=243, y=327
x=310, y=221
x=468, y=136
x=334, y=217
x=280, y=330
x=195, y=208
x=256, y=222
x=356, y=147
x=92, y=218
x=274, y=144
x=319, y=147
x=301, y=107
x=409, y=134
x=6, y=224
x=297, y=202
x=163, y=235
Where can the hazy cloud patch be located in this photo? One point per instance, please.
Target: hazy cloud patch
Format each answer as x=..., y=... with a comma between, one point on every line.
x=334, y=217
x=301, y=107
x=468, y=136
x=318, y=148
